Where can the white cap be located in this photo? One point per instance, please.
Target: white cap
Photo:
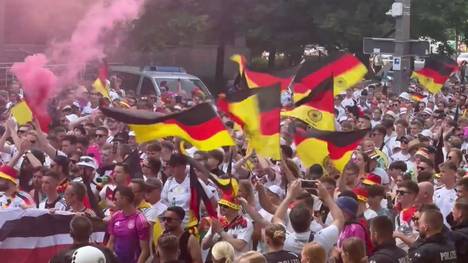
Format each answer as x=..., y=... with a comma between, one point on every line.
x=87, y=161
x=391, y=113
x=131, y=134
x=382, y=174
x=277, y=191
x=71, y=117
x=426, y=133
x=428, y=111
x=405, y=95
x=88, y=254
x=397, y=144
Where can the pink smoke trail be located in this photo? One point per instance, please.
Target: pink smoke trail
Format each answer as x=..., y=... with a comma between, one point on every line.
x=40, y=84
x=85, y=43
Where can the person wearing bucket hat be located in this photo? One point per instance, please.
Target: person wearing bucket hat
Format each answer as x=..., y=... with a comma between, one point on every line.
x=353, y=227
x=10, y=196
x=232, y=226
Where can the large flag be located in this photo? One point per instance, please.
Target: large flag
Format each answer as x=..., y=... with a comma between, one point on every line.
x=257, y=111
x=345, y=68
x=436, y=71
x=317, y=108
x=258, y=79
x=199, y=126
x=34, y=235
x=100, y=84
x=314, y=146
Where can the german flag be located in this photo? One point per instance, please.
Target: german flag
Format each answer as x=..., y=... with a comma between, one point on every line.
x=314, y=146
x=417, y=97
x=257, y=111
x=100, y=84
x=258, y=79
x=198, y=195
x=346, y=69
x=200, y=126
x=317, y=108
x=435, y=73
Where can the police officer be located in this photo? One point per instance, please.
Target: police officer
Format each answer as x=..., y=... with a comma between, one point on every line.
x=386, y=250
x=460, y=228
x=433, y=245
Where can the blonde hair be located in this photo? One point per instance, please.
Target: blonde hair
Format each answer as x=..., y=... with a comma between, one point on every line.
x=223, y=250
x=251, y=257
x=314, y=252
x=276, y=233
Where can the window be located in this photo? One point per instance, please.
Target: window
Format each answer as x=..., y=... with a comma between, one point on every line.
x=188, y=85
x=129, y=81
x=147, y=87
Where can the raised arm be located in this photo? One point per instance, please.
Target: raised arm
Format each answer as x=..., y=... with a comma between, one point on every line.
x=294, y=190
x=337, y=214
x=43, y=142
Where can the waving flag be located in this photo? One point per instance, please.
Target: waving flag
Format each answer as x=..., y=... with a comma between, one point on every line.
x=198, y=195
x=314, y=146
x=34, y=235
x=436, y=71
x=317, y=108
x=345, y=69
x=258, y=79
x=199, y=125
x=257, y=111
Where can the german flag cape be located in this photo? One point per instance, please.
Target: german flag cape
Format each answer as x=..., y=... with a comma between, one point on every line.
x=200, y=126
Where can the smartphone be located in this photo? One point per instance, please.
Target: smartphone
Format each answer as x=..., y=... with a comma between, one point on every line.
x=178, y=99
x=308, y=184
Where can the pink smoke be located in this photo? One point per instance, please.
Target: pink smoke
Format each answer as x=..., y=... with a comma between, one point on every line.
x=39, y=83
x=86, y=43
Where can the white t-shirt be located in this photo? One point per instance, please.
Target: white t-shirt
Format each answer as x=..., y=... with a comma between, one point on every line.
x=326, y=237
x=348, y=102
x=155, y=211
x=59, y=205
x=175, y=194
x=445, y=200
x=241, y=233
x=399, y=156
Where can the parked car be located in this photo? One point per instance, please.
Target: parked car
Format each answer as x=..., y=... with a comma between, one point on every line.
x=462, y=57
x=149, y=80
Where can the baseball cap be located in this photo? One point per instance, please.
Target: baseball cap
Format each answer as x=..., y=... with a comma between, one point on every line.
x=87, y=161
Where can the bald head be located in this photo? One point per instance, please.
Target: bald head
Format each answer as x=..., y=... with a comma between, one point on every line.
x=426, y=191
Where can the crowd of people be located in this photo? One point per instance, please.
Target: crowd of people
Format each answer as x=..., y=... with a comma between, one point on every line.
x=402, y=197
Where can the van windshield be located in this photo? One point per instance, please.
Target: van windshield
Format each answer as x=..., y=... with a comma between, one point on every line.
x=188, y=85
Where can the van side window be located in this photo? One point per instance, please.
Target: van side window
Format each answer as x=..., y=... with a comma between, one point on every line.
x=147, y=87
x=129, y=82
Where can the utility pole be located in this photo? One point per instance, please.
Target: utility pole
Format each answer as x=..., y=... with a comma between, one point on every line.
x=402, y=55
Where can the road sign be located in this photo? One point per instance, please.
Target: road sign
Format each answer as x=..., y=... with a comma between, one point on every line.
x=418, y=48
x=396, y=63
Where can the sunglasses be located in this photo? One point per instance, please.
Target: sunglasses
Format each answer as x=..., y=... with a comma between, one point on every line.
x=420, y=168
x=400, y=192
x=415, y=218
x=100, y=135
x=167, y=219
